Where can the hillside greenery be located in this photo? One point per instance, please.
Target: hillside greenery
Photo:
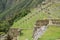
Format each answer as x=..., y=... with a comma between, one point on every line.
x=24, y=13
x=8, y=21
x=12, y=10
x=29, y=20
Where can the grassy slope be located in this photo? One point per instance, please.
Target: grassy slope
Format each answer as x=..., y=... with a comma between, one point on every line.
x=52, y=33
x=27, y=34
x=28, y=23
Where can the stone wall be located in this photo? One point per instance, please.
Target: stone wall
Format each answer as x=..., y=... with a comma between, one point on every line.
x=39, y=28
x=55, y=21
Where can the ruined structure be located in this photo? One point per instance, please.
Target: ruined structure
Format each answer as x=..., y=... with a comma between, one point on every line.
x=40, y=23
x=41, y=26
x=12, y=34
x=55, y=21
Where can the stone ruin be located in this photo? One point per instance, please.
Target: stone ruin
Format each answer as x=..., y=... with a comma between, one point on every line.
x=40, y=23
x=39, y=28
x=12, y=34
x=45, y=22
x=55, y=21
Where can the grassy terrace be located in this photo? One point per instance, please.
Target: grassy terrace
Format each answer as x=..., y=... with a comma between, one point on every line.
x=52, y=33
x=27, y=34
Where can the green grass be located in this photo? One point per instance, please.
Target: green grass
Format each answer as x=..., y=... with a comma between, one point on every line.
x=26, y=34
x=52, y=33
x=30, y=22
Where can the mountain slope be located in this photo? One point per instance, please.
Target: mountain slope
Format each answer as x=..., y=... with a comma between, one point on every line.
x=12, y=9
x=29, y=20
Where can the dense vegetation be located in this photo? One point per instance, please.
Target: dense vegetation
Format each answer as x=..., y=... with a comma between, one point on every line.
x=12, y=10
x=8, y=21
